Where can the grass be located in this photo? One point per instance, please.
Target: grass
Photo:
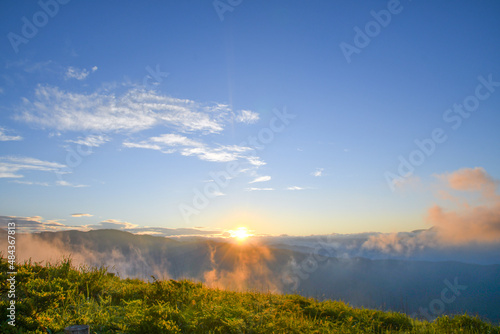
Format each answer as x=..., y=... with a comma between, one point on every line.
x=52, y=297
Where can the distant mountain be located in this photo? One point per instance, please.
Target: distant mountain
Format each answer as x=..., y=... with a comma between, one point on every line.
x=420, y=288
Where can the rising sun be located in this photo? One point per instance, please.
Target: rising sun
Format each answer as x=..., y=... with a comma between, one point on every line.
x=240, y=234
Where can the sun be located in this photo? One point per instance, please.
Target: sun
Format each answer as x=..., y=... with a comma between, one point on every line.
x=240, y=234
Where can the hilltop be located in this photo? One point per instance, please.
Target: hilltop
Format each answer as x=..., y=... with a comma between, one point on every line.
x=52, y=297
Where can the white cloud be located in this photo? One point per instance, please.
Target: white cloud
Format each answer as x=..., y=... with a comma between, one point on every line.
x=171, y=143
x=261, y=179
x=91, y=140
x=81, y=215
x=171, y=139
x=246, y=116
x=78, y=74
x=318, y=172
x=211, y=154
x=11, y=165
x=132, y=111
x=45, y=184
x=68, y=184
x=5, y=137
x=295, y=188
x=256, y=161
x=258, y=189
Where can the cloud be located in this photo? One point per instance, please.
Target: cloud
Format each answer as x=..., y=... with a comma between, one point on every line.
x=78, y=74
x=471, y=179
x=467, y=220
x=402, y=242
x=91, y=140
x=5, y=137
x=261, y=179
x=295, y=188
x=81, y=215
x=34, y=224
x=133, y=110
x=45, y=184
x=476, y=220
x=143, y=144
x=63, y=183
x=318, y=172
x=171, y=139
x=256, y=161
x=246, y=116
x=258, y=189
x=172, y=143
x=111, y=224
x=10, y=166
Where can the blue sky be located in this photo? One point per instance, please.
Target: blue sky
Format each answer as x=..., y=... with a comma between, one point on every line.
x=121, y=111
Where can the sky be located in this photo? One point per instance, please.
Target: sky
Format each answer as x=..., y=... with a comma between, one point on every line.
x=286, y=117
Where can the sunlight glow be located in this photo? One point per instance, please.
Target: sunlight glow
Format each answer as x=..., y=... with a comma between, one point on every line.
x=241, y=233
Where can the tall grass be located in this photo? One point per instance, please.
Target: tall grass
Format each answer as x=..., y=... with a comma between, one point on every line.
x=52, y=297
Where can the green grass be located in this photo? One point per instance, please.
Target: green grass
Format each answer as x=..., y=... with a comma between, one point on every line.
x=52, y=297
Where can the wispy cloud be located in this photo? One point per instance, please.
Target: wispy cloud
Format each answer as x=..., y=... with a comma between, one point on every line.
x=10, y=166
x=131, y=111
x=143, y=144
x=172, y=139
x=246, y=116
x=78, y=74
x=259, y=189
x=63, y=183
x=91, y=140
x=111, y=224
x=295, y=188
x=44, y=184
x=172, y=143
x=261, y=179
x=318, y=172
x=81, y=215
x=6, y=137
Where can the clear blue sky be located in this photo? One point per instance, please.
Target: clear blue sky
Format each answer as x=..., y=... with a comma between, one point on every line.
x=82, y=82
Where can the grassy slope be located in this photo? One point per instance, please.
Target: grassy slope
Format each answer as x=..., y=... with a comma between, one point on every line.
x=50, y=298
